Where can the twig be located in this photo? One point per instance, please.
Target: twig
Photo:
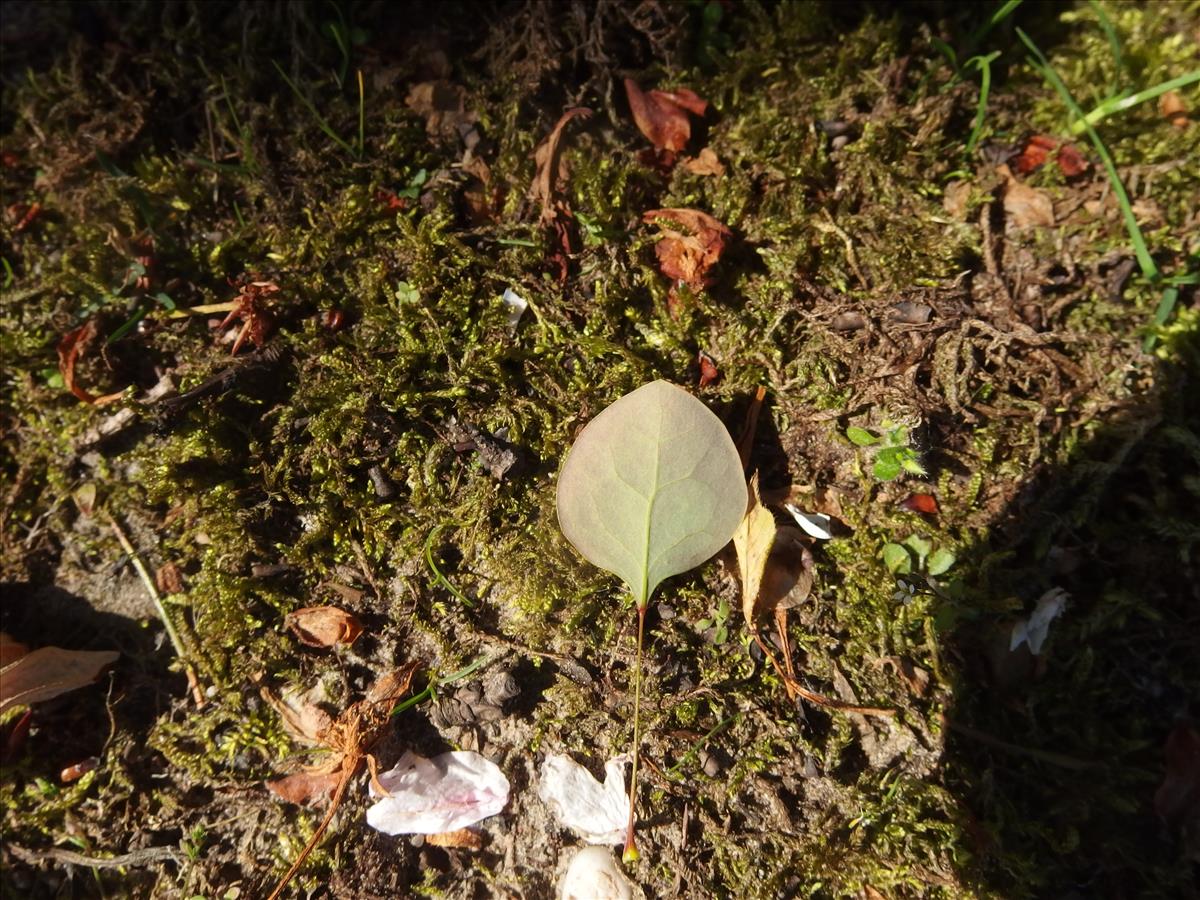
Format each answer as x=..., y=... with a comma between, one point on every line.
x=145, y=857
x=148, y=582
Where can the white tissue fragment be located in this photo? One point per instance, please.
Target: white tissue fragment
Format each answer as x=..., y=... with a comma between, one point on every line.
x=516, y=306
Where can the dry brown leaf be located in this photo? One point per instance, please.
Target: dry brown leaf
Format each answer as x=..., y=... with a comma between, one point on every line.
x=303, y=719
x=551, y=171
x=323, y=626
x=1173, y=109
x=69, y=347
x=463, y=838
x=10, y=650
x=304, y=787
x=1025, y=206
x=662, y=116
x=753, y=540
x=706, y=163
x=48, y=672
x=788, y=576
x=688, y=254
x=444, y=107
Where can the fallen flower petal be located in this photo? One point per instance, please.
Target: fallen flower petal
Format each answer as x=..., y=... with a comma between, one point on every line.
x=431, y=796
x=593, y=875
x=817, y=525
x=596, y=812
x=515, y=304
x=1033, y=631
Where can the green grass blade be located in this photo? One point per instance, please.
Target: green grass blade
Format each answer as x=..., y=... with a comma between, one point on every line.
x=1165, y=307
x=1114, y=42
x=1042, y=66
x=321, y=122
x=1120, y=104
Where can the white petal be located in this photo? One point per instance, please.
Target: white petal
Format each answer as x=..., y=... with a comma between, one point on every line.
x=516, y=305
x=594, y=875
x=814, y=524
x=448, y=792
x=1036, y=628
x=597, y=813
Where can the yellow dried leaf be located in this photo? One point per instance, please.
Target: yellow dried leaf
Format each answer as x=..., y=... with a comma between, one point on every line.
x=753, y=540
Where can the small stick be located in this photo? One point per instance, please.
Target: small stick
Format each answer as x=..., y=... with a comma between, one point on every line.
x=746, y=441
x=795, y=690
x=631, y=853
x=152, y=590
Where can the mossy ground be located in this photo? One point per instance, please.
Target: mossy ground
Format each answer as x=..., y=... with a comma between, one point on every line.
x=1061, y=454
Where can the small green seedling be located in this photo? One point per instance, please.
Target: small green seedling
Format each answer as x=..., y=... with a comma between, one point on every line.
x=914, y=554
x=893, y=454
x=652, y=487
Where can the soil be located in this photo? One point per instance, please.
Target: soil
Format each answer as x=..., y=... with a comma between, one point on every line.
x=980, y=363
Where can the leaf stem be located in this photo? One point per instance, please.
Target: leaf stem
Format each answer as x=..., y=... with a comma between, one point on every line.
x=631, y=851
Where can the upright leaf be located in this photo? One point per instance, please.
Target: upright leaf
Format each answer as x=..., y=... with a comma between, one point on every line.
x=652, y=487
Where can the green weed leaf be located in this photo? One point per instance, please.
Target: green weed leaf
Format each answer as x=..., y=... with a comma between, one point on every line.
x=940, y=560
x=652, y=487
x=897, y=558
x=920, y=546
x=887, y=464
x=861, y=436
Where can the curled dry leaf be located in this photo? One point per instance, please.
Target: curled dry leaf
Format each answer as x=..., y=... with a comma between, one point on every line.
x=686, y=253
x=662, y=116
x=323, y=626
x=1025, y=206
x=709, y=372
x=548, y=186
x=10, y=650
x=47, y=672
x=304, y=787
x=1173, y=109
x=921, y=503
x=444, y=108
x=706, y=163
x=69, y=347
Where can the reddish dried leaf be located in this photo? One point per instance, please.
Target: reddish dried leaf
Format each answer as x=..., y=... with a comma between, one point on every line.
x=662, y=116
x=708, y=369
x=688, y=257
x=323, y=626
x=304, y=787
x=169, y=579
x=302, y=718
x=547, y=183
x=10, y=650
x=69, y=347
x=921, y=503
x=1036, y=152
x=78, y=770
x=50, y=671
x=1178, y=797
x=1070, y=161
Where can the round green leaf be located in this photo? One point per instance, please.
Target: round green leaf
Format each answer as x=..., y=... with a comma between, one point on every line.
x=897, y=559
x=652, y=487
x=941, y=560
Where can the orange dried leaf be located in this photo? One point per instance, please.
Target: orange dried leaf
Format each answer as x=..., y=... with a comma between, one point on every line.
x=50, y=671
x=1036, y=152
x=921, y=503
x=463, y=838
x=662, y=116
x=304, y=787
x=1070, y=161
x=323, y=626
x=688, y=254
x=706, y=163
x=69, y=348
x=708, y=369
x=1173, y=109
x=10, y=650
